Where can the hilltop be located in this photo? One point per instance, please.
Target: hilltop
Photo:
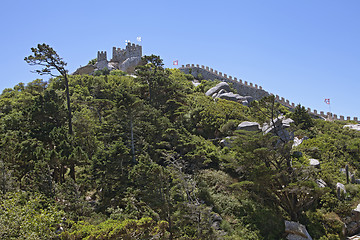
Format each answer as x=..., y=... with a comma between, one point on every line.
x=156, y=156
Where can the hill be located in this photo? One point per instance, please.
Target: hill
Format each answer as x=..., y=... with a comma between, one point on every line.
x=153, y=157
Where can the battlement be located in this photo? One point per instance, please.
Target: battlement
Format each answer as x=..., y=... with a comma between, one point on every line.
x=257, y=92
x=131, y=50
x=101, y=56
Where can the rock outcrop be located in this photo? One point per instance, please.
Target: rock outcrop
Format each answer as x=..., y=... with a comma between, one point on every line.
x=314, y=162
x=296, y=231
x=278, y=126
x=353, y=126
x=340, y=190
x=249, y=126
x=298, y=141
x=223, y=91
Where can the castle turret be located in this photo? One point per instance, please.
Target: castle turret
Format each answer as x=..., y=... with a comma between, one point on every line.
x=101, y=56
x=131, y=50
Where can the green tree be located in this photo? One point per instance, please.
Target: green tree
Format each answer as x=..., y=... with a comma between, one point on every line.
x=45, y=56
x=153, y=74
x=28, y=216
x=302, y=118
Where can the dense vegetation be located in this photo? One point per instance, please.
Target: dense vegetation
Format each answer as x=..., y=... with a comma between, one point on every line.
x=144, y=161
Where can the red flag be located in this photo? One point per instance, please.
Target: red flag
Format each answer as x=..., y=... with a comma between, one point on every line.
x=327, y=100
x=176, y=62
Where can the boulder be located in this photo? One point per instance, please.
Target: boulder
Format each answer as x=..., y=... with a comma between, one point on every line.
x=216, y=221
x=245, y=103
x=356, y=213
x=353, y=126
x=285, y=135
x=226, y=142
x=298, y=141
x=286, y=122
x=231, y=96
x=220, y=92
x=129, y=63
x=352, y=228
x=249, y=126
x=352, y=222
x=340, y=190
x=277, y=122
x=101, y=65
x=279, y=125
x=217, y=88
x=296, y=231
x=314, y=162
x=321, y=183
x=195, y=83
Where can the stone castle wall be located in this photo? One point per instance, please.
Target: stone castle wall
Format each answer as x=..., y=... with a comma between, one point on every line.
x=243, y=88
x=131, y=50
x=249, y=89
x=101, y=56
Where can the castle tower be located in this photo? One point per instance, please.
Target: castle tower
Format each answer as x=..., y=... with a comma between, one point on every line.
x=131, y=50
x=101, y=56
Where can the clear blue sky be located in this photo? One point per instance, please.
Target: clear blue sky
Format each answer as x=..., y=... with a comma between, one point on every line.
x=303, y=50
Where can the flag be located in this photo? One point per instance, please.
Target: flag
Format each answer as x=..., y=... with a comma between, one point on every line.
x=176, y=62
x=138, y=39
x=327, y=100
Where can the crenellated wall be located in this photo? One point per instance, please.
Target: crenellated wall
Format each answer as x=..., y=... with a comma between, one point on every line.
x=131, y=50
x=101, y=56
x=243, y=88
x=249, y=89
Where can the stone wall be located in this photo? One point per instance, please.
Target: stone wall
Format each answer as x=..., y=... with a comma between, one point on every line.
x=249, y=89
x=122, y=59
x=131, y=50
x=243, y=88
x=101, y=56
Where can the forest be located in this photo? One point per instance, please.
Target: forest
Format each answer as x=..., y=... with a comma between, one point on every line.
x=145, y=160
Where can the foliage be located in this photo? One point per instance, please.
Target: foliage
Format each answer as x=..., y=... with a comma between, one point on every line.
x=144, y=161
x=92, y=61
x=145, y=228
x=27, y=216
x=104, y=71
x=301, y=118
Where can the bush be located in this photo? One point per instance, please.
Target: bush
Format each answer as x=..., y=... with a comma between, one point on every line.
x=145, y=228
x=117, y=73
x=25, y=216
x=92, y=61
x=104, y=71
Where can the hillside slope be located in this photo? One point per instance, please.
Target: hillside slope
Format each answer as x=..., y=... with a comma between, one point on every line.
x=151, y=163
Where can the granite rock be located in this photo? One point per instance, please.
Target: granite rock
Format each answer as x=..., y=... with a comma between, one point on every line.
x=249, y=126
x=296, y=231
x=217, y=88
x=353, y=126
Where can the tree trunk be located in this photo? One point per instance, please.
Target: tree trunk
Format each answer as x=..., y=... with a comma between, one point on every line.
x=72, y=165
x=132, y=140
x=72, y=171
x=68, y=103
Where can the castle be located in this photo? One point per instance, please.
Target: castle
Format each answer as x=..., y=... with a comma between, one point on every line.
x=123, y=59
x=128, y=58
x=245, y=88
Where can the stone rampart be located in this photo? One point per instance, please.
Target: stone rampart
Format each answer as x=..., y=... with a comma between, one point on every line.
x=131, y=50
x=101, y=56
x=243, y=88
x=249, y=89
